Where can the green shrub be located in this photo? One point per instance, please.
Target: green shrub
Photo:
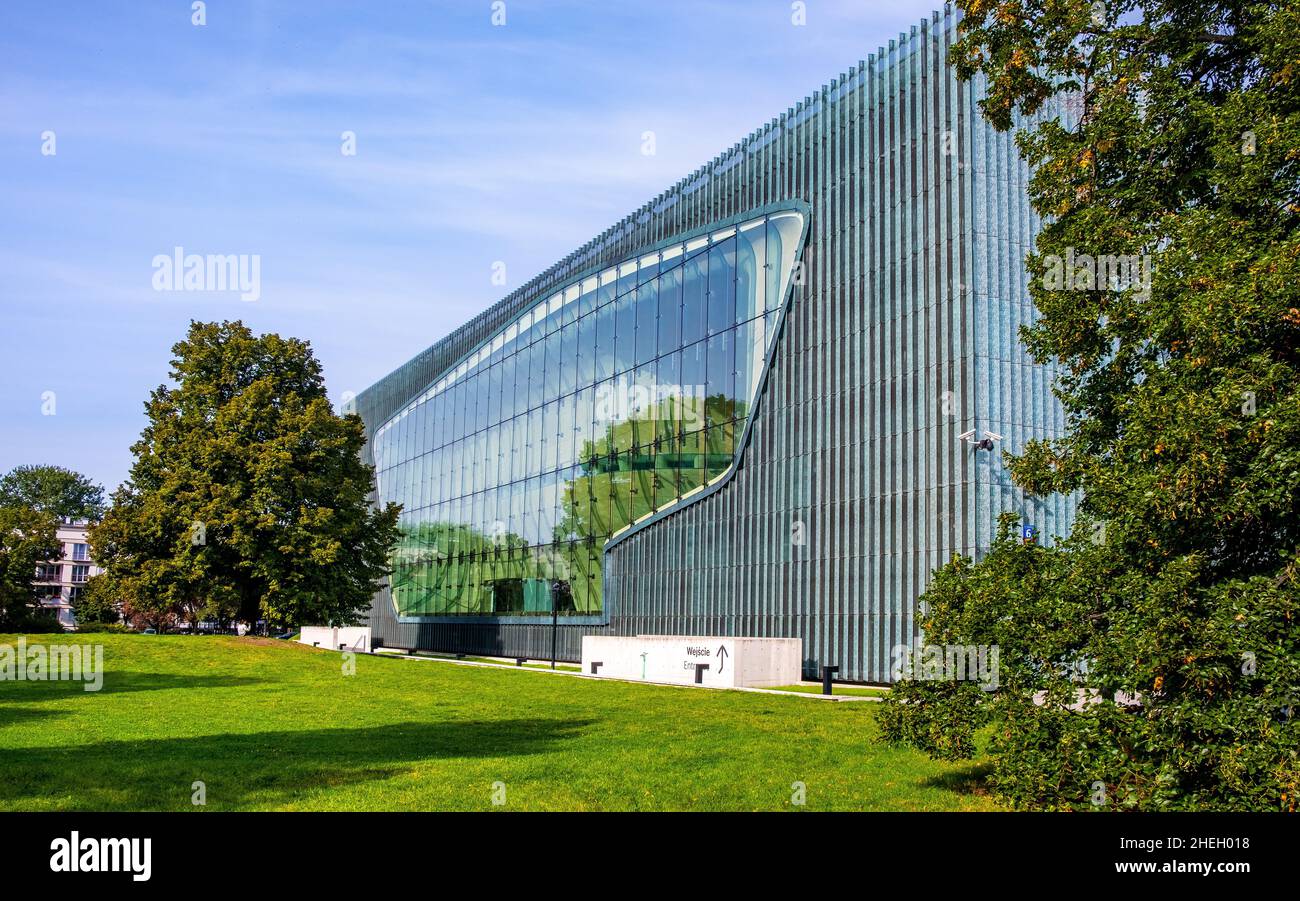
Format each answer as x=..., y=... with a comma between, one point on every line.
x=1114, y=691
x=36, y=624
x=116, y=628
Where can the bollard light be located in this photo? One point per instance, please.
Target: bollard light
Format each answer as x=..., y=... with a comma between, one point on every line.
x=828, y=675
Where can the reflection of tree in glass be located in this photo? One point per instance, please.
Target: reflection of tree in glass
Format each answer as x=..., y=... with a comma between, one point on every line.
x=670, y=450
x=444, y=569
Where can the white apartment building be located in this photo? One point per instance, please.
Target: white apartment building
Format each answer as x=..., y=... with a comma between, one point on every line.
x=60, y=582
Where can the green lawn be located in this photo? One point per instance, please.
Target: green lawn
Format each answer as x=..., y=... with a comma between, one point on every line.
x=856, y=691
x=497, y=661
x=274, y=725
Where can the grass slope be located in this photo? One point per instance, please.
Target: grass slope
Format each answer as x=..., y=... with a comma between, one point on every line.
x=274, y=725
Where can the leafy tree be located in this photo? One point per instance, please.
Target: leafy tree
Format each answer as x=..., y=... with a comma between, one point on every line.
x=52, y=489
x=27, y=538
x=247, y=495
x=97, y=603
x=1150, y=660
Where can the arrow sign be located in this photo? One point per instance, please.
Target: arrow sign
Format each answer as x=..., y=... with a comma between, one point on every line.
x=722, y=657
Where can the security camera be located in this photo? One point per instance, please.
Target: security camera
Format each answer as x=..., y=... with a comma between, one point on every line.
x=985, y=443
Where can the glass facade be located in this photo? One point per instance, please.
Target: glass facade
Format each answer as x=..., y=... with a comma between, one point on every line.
x=854, y=482
x=613, y=399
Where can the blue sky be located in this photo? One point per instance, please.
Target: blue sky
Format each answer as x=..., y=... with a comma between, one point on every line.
x=475, y=144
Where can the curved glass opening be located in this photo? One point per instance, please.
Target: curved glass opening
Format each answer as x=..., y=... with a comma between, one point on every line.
x=617, y=398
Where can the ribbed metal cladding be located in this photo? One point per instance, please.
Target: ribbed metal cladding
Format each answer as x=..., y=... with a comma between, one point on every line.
x=902, y=336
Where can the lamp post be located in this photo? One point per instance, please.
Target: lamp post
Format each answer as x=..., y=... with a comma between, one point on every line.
x=555, y=623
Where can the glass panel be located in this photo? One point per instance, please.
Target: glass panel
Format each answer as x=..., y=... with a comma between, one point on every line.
x=620, y=490
x=586, y=350
x=552, y=367
x=669, y=400
x=748, y=359
x=720, y=384
x=722, y=286
x=508, y=398
x=624, y=333
x=647, y=316
x=568, y=359
x=536, y=354
x=642, y=464
x=587, y=299
x=783, y=233
x=670, y=310
x=647, y=268
x=667, y=462
x=608, y=284
x=693, y=385
x=550, y=423
x=569, y=313
x=605, y=342
x=565, y=432
x=493, y=409
x=626, y=277
x=641, y=404
x=751, y=262
x=694, y=291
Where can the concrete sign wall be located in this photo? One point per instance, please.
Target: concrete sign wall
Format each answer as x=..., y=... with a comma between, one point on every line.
x=695, y=659
x=355, y=638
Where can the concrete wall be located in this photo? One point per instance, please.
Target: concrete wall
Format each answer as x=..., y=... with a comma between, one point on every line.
x=695, y=659
x=356, y=638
